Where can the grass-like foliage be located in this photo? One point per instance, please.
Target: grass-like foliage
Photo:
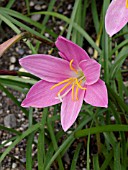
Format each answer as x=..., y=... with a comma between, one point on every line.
x=94, y=125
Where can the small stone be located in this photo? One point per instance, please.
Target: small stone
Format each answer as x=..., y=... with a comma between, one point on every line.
x=69, y=6
x=3, y=94
x=12, y=59
x=46, y=35
x=17, y=150
x=61, y=28
x=10, y=121
x=11, y=67
x=44, y=6
x=60, y=10
x=14, y=165
x=37, y=7
x=36, y=17
x=17, y=157
x=31, y=3
x=7, y=144
x=20, y=51
x=90, y=51
x=112, y=118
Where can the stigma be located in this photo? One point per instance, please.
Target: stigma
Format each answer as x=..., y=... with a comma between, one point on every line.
x=73, y=84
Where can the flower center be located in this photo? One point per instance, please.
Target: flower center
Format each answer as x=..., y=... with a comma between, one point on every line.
x=72, y=83
x=126, y=3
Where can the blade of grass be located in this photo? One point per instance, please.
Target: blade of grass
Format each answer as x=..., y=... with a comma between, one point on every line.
x=75, y=157
x=105, y=128
x=28, y=6
x=29, y=143
x=9, y=130
x=10, y=3
x=45, y=20
x=95, y=15
x=96, y=162
x=41, y=141
x=72, y=19
x=54, y=142
x=117, y=164
x=107, y=160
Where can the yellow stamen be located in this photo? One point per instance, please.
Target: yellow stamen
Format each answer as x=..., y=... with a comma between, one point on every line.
x=77, y=92
x=73, y=86
x=62, y=82
x=72, y=68
x=63, y=88
x=126, y=3
x=78, y=84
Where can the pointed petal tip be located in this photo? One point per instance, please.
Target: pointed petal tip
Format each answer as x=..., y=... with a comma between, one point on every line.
x=25, y=103
x=65, y=128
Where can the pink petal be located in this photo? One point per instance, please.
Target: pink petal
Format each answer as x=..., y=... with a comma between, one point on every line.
x=91, y=70
x=70, y=51
x=70, y=109
x=96, y=94
x=116, y=16
x=47, y=67
x=41, y=96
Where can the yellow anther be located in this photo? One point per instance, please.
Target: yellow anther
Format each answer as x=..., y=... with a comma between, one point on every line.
x=77, y=93
x=78, y=84
x=62, y=82
x=73, y=86
x=63, y=88
x=126, y=3
x=72, y=68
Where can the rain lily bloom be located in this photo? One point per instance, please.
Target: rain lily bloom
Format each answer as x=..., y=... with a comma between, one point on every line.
x=70, y=80
x=116, y=16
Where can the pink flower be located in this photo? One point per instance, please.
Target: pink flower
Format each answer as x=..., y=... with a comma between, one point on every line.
x=116, y=16
x=69, y=80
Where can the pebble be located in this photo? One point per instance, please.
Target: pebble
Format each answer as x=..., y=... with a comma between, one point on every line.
x=31, y=3
x=10, y=121
x=36, y=17
x=20, y=50
x=46, y=35
x=37, y=7
x=112, y=118
x=7, y=144
x=11, y=67
x=14, y=165
x=90, y=51
x=69, y=6
x=12, y=59
x=3, y=94
x=61, y=28
x=44, y=6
